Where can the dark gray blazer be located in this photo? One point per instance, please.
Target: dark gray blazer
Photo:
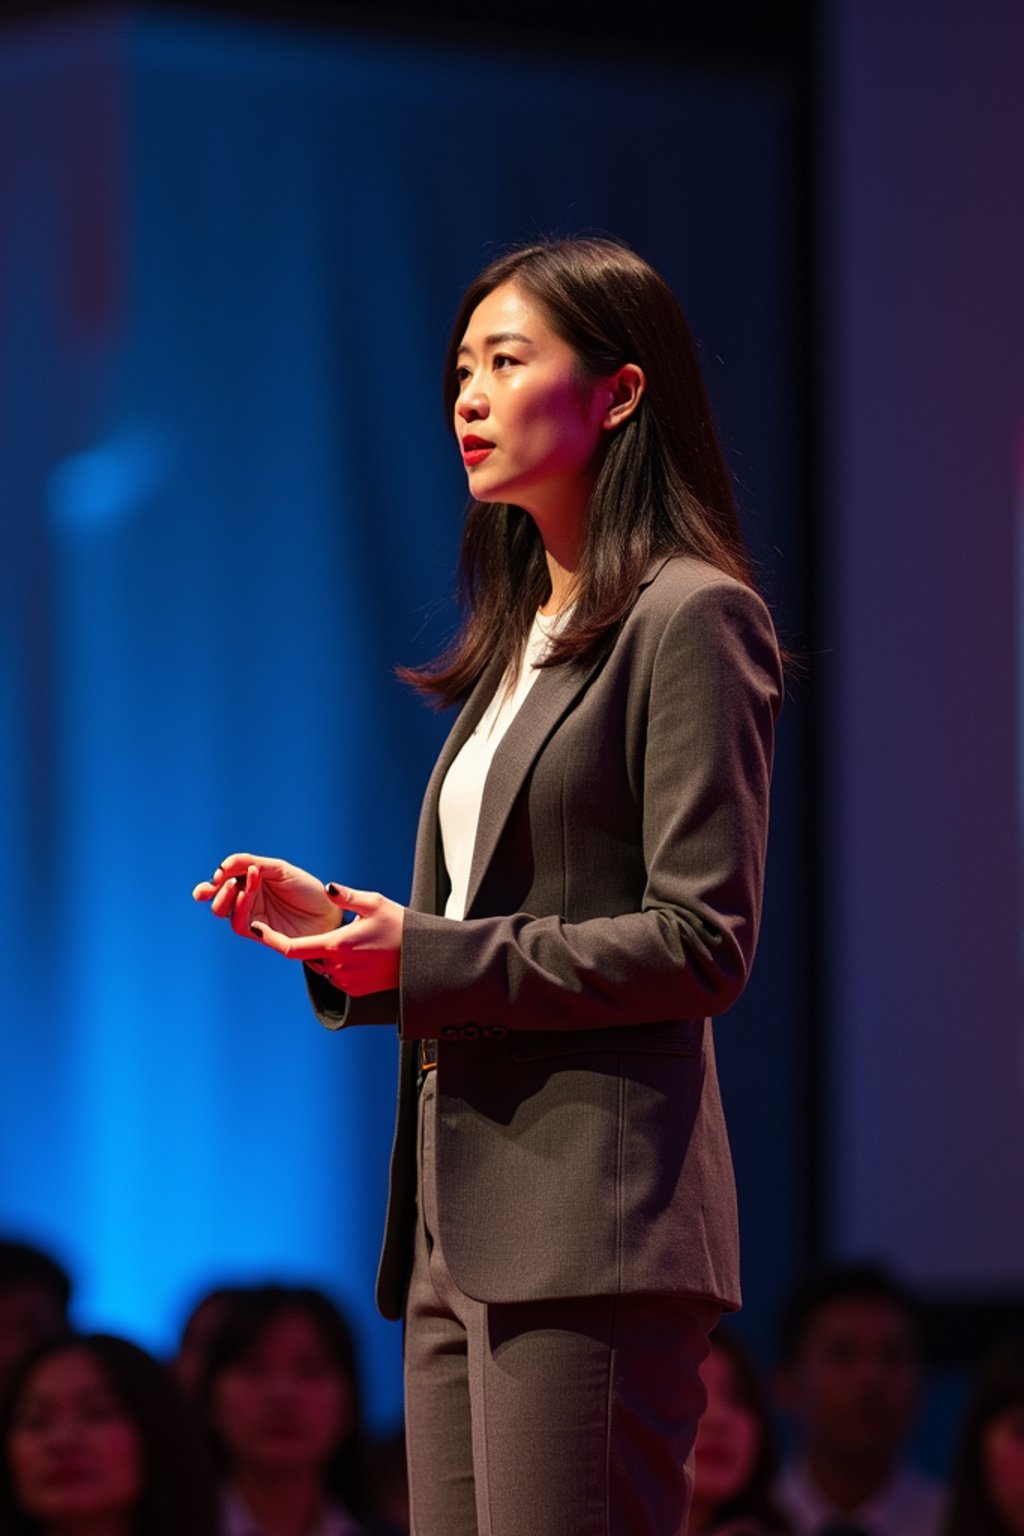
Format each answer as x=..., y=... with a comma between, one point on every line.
x=613, y=908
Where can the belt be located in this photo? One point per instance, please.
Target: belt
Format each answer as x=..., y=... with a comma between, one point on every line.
x=427, y=1055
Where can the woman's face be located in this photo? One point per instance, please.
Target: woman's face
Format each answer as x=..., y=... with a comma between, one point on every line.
x=1002, y=1453
x=74, y=1453
x=529, y=426
x=283, y=1405
x=728, y=1435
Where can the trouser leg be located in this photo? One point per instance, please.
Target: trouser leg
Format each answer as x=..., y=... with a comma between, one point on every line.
x=590, y=1410
x=564, y=1418
x=439, y=1444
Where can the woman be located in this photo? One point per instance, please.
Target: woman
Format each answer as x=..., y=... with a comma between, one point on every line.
x=97, y=1441
x=735, y=1460
x=586, y=891
x=988, y=1493
x=281, y=1393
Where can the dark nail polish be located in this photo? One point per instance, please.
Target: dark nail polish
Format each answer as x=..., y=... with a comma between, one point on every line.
x=240, y=882
x=332, y=889
x=257, y=931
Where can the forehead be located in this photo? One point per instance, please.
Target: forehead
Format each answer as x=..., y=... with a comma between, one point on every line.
x=289, y=1332
x=860, y=1319
x=507, y=309
x=74, y=1370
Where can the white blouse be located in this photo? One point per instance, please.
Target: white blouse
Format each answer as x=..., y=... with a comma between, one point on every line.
x=463, y=787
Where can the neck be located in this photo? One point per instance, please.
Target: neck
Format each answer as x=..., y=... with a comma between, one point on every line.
x=563, y=585
x=283, y=1503
x=848, y=1482
x=560, y=526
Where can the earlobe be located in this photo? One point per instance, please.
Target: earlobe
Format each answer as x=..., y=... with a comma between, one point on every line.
x=627, y=390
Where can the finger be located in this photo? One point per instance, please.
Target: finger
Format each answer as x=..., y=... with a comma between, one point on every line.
x=247, y=886
x=223, y=901
x=207, y=889
x=237, y=864
x=314, y=946
x=350, y=900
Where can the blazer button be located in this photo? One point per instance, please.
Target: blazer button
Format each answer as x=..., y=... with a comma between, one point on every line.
x=495, y=1031
x=469, y=1032
x=450, y=1031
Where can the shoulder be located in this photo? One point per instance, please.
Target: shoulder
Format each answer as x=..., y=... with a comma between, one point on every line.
x=679, y=581
x=689, y=613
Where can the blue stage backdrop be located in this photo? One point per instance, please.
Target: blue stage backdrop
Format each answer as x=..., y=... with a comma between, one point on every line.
x=230, y=254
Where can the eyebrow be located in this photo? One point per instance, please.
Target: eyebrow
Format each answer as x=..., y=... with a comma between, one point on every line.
x=496, y=340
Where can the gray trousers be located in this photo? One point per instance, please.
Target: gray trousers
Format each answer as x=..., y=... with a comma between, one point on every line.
x=557, y=1418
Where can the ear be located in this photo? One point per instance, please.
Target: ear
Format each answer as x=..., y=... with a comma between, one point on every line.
x=625, y=390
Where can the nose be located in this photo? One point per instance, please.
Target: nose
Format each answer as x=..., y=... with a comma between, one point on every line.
x=472, y=404
x=63, y=1429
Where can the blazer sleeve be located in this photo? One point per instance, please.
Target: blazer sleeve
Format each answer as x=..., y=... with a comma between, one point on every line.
x=714, y=691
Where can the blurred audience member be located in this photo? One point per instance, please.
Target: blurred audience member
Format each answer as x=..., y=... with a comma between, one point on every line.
x=988, y=1495
x=281, y=1391
x=852, y=1378
x=95, y=1437
x=200, y=1327
x=735, y=1456
x=34, y=1296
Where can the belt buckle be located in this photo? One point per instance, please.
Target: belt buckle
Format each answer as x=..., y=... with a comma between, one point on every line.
x=427, y=1056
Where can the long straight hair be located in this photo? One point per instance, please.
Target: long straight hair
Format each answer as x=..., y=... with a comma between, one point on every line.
x=662, y=485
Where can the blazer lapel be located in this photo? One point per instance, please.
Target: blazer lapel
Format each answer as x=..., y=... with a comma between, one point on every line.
x=429, y=876
x=544, y=706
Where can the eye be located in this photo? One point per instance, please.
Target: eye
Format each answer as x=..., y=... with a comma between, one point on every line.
x=503, y=360
x=461, y=374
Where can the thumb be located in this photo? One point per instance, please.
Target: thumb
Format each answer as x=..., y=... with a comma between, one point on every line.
x=349, y=900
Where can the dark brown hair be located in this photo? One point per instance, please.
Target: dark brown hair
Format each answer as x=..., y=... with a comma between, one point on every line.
x=179, y=1491
x=998, y=1390
x=662, y=488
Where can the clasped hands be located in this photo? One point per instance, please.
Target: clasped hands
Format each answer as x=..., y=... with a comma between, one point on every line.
x=287, y=909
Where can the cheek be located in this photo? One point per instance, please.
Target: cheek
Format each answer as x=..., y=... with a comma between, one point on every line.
x=119, y=1460
x=559, y=420
x=727, y=1447
x=235, y=1405
x=329, y=1413
x=24, y=1457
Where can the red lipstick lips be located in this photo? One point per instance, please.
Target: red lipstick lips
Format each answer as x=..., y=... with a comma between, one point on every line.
x=475, y=449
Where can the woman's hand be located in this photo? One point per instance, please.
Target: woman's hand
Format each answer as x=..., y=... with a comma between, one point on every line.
x=247, y=888
x=361, y=957
x=287, y=909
